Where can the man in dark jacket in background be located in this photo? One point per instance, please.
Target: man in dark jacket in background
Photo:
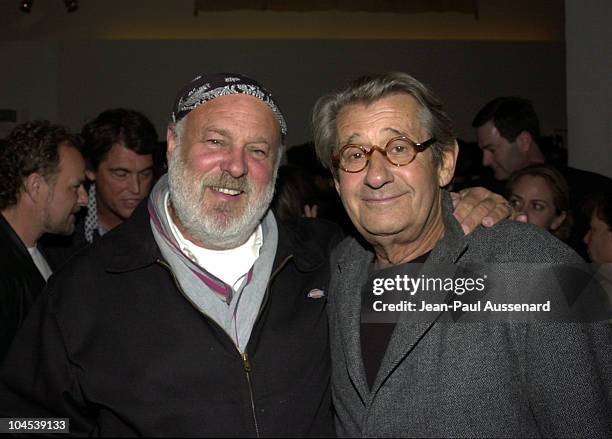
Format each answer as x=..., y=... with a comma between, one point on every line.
x=508, y=130
x=41, y=190
x=119, y=147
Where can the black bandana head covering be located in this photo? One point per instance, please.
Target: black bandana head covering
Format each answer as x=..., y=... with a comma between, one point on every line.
x=205, y=87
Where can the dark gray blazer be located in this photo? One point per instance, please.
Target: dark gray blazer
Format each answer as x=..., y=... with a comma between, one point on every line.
x=476, y=379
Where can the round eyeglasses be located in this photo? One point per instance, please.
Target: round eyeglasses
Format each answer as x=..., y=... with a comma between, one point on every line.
x=399, y=151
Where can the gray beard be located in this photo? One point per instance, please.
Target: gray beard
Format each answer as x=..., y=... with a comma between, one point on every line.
x=214, y=227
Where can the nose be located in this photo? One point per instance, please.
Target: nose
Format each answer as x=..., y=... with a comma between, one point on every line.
x=82, y=198
x=587, y=237
x=377, y=172
x=527, y=213
x=487, y=158
x=234, y=162
x=134, y=184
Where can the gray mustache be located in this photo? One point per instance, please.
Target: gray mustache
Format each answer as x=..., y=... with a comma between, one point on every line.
x=227, y=181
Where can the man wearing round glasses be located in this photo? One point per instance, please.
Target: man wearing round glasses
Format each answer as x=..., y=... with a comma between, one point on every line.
x=399, y=151
x=390, y=199
x=402, y=371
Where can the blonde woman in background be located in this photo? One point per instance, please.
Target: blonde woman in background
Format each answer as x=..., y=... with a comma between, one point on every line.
x=541, y=192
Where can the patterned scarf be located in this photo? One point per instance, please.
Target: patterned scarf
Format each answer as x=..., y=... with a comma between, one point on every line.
x=91, y=220
x=234, y=311
x=160, y=222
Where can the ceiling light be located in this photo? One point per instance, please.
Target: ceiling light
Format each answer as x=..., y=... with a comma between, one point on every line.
x=26, y=6
x=71, y=5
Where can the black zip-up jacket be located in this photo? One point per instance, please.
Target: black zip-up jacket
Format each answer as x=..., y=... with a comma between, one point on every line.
x=114, y=345
x=20, y=284
x=59, y=248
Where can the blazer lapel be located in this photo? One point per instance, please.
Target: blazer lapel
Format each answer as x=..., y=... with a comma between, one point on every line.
x=353, y=269
x=439, y=264
x=407, y=333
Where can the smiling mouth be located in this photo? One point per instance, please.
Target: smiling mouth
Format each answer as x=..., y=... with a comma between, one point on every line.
x=226, y=191
x=381, y=199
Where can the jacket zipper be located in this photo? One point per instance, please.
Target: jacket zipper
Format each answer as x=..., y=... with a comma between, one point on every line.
x=246, y=363
x=245, y=356
x=247, y=370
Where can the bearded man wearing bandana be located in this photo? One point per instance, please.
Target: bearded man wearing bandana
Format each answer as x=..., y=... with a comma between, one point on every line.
x=200, y=314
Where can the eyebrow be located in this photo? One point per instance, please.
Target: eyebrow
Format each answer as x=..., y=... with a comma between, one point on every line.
x=515, y=195
x=130, y=171
x=220, y=131
x=226, y=133
x=353, y=136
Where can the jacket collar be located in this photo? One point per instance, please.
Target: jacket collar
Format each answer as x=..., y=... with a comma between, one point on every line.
x=135, y=245
x=20, y=251
x=10, y=235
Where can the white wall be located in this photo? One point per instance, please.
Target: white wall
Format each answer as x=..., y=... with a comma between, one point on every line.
x=589, y=84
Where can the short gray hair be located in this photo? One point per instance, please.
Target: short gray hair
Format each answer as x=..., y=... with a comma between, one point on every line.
x=369, y=89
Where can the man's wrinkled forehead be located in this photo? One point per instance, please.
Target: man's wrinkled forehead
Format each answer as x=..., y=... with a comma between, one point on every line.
x=400, y=112
x=205, y=88
x=234, y=116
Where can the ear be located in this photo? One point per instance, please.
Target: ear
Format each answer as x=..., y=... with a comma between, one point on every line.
x=524, y=141
x=558, y=221
x=171, y=141
x=336, y=184
x=447, y=167
x=36, y=187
